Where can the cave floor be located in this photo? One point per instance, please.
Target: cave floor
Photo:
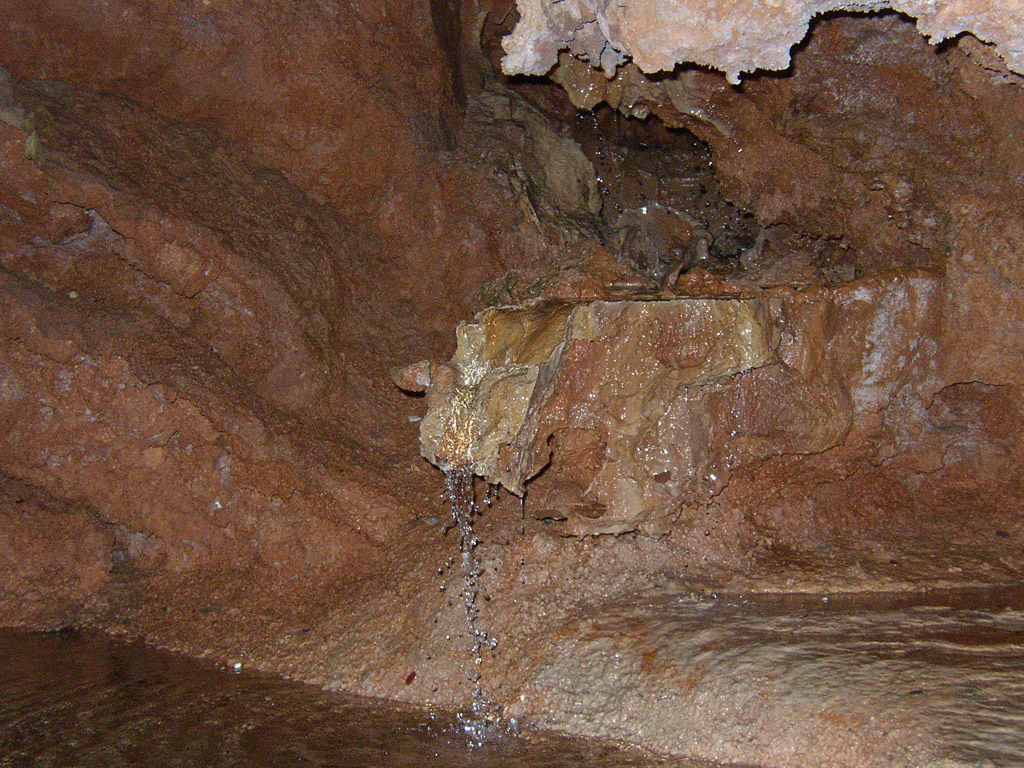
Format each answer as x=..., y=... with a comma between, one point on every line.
x=804, y=661
x=80, y=698
x=870, y=678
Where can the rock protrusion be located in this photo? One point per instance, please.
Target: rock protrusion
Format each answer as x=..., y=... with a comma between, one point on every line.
x=521, y=375
x=628, y=413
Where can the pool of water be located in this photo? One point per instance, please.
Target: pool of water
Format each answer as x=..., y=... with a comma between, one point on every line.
x=83, y=699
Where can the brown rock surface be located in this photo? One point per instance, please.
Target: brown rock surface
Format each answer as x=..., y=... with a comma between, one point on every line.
x=605, y=382
x=223, y=226
x=648, y=410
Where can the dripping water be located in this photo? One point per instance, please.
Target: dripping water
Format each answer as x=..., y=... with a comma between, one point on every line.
x=490, y=495
x=459, y=491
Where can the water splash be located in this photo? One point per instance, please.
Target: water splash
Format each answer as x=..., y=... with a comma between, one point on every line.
x=481, y=721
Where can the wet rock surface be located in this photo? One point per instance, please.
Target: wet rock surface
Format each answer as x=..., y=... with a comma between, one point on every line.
x=632, y=414
x=884, y=680
x=594, y=389
x=223, y=228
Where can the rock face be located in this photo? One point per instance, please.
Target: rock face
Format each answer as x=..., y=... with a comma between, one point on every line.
x=223, y=224
x=602, y=374
x=639, y=410
x=182, y=313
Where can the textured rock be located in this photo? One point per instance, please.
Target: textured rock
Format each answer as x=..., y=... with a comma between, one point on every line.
x=841, y=681
x=870, y=114
x=488, y=404
x=54, y=558
x=645, y=408
x=734, y=37
x=354, y=106
x=554, y=182
x=209, y=261
x=143, y=384
x=221, y=63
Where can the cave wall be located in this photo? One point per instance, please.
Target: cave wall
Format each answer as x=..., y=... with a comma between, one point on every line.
x=876, y=162
x=354, y=106
x=222, y=225
x=895, y=151
x=882, y=154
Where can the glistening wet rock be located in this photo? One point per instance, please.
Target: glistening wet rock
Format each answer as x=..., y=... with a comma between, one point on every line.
x=640, y=409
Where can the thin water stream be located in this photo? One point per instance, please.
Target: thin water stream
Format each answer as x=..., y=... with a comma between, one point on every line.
x=460, y=493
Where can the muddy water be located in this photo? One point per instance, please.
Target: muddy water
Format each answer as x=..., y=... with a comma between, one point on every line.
x=85, y=700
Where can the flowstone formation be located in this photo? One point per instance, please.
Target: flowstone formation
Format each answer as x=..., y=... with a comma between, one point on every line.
x=732, y=37
x=497, y=404
x=631, y=412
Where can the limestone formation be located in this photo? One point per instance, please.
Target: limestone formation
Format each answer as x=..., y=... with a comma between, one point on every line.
x=734, y=37
x=645, y=408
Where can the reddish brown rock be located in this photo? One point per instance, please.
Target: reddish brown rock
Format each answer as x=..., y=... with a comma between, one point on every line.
x=223, y=226
x=152, y=362
x=54, y=556
x=645, y=409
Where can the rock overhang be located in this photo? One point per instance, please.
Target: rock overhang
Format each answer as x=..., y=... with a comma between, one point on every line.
x=636, y=410
x=734, y=37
